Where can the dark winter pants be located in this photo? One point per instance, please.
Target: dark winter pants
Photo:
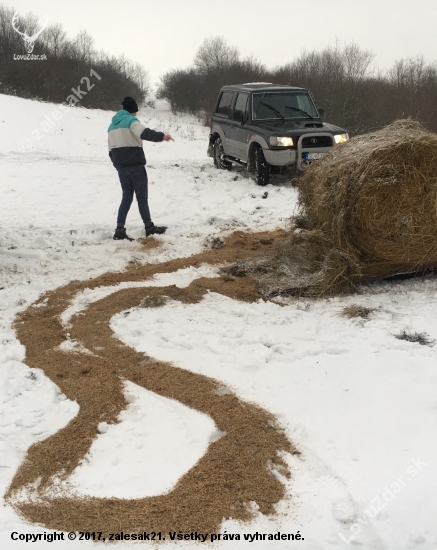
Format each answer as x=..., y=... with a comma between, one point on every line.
x=133, y=179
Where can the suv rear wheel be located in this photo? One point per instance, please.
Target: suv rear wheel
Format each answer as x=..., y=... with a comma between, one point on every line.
x=262, y=169
x=219, y=156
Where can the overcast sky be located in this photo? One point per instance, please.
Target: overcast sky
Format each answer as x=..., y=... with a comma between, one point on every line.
x=166, y=34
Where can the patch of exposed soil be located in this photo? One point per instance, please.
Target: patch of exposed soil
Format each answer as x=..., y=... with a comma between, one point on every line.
x=231, y=474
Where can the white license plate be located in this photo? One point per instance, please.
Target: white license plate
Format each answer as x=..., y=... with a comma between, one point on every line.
x=313, y=156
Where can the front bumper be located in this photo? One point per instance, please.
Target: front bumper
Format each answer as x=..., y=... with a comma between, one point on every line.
x=279, y=157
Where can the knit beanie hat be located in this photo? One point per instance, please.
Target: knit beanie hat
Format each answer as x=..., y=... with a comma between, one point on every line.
x=129, y=104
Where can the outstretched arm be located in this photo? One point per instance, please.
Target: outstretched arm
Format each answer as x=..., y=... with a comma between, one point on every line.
x=150, y=135
x=147, y=134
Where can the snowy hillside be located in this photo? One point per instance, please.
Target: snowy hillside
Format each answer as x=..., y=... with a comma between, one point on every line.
x=359, y=404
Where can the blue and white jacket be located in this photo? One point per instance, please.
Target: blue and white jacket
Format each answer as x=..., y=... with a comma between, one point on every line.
x=125, y=135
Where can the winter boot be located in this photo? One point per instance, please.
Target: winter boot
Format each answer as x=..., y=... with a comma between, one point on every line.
x=120, y=234
x=155, y=230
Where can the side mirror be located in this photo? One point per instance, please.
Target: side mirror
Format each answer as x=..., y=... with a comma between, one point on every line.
x=321, y=112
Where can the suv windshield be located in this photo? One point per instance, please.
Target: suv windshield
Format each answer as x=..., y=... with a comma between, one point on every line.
x=286, y=105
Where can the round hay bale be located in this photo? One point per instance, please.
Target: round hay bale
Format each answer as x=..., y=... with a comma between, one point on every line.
x=375, y=198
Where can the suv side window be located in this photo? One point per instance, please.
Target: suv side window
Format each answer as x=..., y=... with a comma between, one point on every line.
x=240, y=107
x=224, y=103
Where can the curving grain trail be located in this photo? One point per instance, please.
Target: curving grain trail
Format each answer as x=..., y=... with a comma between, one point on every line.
x=231, y=474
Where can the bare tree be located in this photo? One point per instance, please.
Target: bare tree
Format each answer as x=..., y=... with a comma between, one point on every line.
x=8, y=38
x=215, y=55
x=141, y=77
x=55, y=39
x=83, y=47
x=356, y=62
x=408, y=73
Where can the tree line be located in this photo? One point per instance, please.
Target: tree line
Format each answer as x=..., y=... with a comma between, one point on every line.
x=67, y=61
x=341, y=78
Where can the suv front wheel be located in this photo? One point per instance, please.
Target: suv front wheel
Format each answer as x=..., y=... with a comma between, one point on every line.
x=262, y=169
x=219, y=156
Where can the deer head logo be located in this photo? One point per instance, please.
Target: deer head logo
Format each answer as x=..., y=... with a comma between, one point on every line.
x=29, y=41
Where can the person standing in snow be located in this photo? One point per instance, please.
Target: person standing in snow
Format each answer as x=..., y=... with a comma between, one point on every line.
x=125, y=135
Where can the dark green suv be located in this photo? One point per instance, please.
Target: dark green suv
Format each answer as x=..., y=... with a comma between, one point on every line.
x=264, y=125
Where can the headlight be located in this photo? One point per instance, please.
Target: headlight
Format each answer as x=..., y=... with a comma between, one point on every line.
x=341, y=138
x=281, y=141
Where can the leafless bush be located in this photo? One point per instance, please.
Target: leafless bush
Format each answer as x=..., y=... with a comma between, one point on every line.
x=182, y=89
x=415, y=337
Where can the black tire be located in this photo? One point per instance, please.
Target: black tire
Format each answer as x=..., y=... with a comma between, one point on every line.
x=262, y=169
x=219, y=156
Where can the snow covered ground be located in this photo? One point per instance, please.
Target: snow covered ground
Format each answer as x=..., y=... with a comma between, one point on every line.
x=359, y=404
